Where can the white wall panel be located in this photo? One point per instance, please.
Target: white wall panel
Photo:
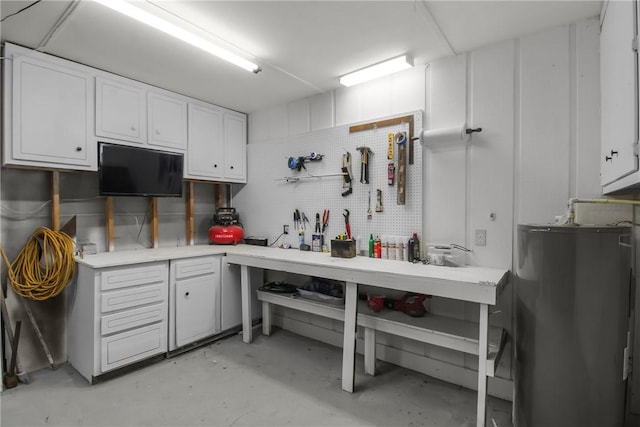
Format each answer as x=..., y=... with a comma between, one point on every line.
x=258, y=126
x=447, y=103
x=299, y=117
x=587, y=125
x=491, y=154
x=376, y=99
x=445, y=198
x=407, y=90
x=445, y=193
x=348, y=105
x=322, y=111
x=278, y=122
x=544, y=126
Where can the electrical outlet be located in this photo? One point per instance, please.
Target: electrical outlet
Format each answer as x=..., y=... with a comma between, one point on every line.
x=481, y=237
x=285, y=229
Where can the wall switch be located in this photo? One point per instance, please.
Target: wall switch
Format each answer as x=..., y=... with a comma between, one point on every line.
x=481, y=237
x=285, y=229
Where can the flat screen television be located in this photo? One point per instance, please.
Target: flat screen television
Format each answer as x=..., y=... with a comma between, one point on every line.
x=132, y=171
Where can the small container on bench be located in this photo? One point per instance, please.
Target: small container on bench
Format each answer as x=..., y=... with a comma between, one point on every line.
x=343, y=248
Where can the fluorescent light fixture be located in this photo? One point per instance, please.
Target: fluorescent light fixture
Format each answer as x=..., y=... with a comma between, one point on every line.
x=177, y=32
x=378, y=70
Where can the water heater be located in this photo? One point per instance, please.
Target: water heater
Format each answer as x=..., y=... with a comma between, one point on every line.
x=572, y=310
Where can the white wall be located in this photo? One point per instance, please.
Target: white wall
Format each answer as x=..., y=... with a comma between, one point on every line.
x=537, y=101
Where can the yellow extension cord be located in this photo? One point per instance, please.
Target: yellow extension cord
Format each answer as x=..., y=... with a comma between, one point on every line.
x=44, y=266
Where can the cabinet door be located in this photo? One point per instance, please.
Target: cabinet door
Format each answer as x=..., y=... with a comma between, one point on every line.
x=618, y=66
x=235, y=147
x=120, y=111
x=204, y=157
x=167, y=121
x=195, y=308
x=52, y=115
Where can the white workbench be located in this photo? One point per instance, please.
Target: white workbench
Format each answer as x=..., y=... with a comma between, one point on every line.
x=472, y=284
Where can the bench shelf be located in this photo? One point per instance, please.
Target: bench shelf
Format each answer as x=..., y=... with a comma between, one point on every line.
x=442, y=331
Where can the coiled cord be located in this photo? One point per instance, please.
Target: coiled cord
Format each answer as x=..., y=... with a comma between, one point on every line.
x=44, y=266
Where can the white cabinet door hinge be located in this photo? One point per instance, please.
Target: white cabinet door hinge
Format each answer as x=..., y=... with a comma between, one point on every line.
x=634, y=44
x=635, y=149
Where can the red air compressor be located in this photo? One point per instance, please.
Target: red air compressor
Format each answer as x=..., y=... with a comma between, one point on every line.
x=225, y=228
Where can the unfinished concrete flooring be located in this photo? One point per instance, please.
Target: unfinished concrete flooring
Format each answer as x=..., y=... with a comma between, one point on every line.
x=281, y=380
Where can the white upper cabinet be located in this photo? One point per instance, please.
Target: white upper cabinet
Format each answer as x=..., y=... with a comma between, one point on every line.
x=48, y=112
x=55, y=112
x=167, y=117
x=205, y=150
x=121, y=111
x=235, y=147
x=619, y=97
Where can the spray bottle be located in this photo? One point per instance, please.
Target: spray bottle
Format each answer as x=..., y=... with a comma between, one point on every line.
x=371, y=255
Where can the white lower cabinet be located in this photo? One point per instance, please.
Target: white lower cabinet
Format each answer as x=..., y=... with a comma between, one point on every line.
x=118, y=316
x=125, y=314
x=195, y=300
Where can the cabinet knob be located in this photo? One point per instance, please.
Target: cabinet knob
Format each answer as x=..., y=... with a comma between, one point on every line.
x=186, y=294
x=215, y=166
x=231, y=167
x=157, y=132
x=133, y=128
x=78, y=148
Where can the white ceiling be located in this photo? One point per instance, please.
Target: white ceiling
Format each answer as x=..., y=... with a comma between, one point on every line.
x=302, y=46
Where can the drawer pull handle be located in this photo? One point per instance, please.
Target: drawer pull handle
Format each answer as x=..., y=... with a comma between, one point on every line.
x=78, y=148
x=186, y=294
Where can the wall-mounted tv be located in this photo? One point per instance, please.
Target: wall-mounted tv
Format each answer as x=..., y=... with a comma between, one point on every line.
x=133, y=171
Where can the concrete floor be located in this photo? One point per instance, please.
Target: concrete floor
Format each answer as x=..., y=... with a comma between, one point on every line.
x=280, y=380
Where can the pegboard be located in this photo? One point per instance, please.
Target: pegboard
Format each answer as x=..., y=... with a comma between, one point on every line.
x=274, y=191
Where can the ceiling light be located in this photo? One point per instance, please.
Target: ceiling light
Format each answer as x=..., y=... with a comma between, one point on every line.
x=177, y=32
x=378, y=70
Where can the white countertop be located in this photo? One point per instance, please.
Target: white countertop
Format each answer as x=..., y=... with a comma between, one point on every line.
x=475, y=284
x=139, y=256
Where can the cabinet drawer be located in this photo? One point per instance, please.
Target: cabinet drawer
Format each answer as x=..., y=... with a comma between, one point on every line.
x=126, y=298
x=134, y=318
x=128, y=347
x=196, y=267
x=132, y=276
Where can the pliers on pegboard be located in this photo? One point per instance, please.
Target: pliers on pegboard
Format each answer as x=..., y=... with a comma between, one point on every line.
x=305, y=221
x=296, y=219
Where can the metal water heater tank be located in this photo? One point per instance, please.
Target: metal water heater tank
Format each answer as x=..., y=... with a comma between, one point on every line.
x=572, y=310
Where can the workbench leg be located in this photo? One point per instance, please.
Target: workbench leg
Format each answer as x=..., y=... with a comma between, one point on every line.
x=349, y=344
x=370, y=351
x=266, y=318
x=245, y=287
x=482, y=364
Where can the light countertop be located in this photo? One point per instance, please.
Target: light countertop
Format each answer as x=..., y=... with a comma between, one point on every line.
x=139, y=256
